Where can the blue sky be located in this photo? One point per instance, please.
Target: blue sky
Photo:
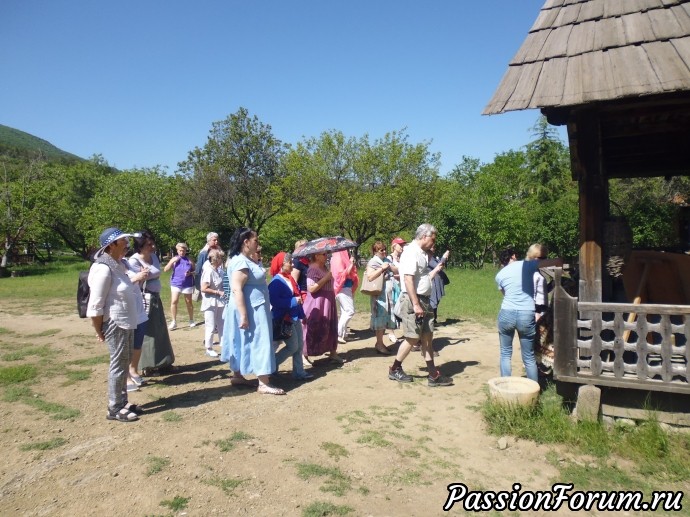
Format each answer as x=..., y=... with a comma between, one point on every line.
x=141, y=82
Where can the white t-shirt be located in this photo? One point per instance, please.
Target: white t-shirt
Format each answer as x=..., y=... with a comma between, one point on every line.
x=214, y=278
x=415, y=261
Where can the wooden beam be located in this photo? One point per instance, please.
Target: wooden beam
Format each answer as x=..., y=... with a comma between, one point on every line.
x=585, y=153
x=675, y=387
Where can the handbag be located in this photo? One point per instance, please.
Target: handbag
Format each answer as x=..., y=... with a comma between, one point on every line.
x=147, y=302
x=196, y=295
x=282, y=329
x=146, y=298
x=372, y=287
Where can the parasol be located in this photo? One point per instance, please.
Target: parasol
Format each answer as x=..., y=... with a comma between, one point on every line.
x=324, y=245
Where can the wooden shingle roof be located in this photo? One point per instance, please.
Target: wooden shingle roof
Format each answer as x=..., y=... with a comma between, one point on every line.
x=583, y=51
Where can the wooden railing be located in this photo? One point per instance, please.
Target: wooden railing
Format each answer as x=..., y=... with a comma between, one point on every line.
x=642, y=346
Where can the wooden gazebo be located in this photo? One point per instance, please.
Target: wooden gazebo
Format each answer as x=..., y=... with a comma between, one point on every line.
x=617, y=73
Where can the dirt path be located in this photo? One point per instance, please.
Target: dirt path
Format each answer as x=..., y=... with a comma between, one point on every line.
x=359, y=439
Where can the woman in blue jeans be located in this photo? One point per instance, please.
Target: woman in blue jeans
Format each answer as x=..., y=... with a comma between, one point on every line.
x=515, y=280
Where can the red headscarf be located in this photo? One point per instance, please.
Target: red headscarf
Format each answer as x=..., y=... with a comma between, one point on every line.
x=277, y=263
x=277, y=269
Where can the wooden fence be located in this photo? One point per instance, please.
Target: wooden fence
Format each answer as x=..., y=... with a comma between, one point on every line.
x=643, y=346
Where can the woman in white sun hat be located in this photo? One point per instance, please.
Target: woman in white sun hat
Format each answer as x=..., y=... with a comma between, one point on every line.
x=116, y=308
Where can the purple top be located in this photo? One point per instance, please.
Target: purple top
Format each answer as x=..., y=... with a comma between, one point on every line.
x=179, y=277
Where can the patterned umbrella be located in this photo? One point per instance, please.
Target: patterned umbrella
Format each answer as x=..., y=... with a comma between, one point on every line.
x=324, y=245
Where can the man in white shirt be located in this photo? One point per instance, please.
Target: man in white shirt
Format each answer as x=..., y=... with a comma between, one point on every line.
x=211, y=244
x=415, y=309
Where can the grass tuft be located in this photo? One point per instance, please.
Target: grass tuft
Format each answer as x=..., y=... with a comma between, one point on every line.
x=44, y=446
x=337, y=482
x=229, y=443
x=55, y=410
x=74, y=376
x=23, y=353
x=171, y=416
x=16, y=393
x=227, y=485
x=91, y=361
x=373, y=438
x=176, y=504
x=335, y=450
x=324, y=509
x=156, y=464
x=17, y=374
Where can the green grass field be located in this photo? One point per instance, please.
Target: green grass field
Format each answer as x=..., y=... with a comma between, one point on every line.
x=471, y=295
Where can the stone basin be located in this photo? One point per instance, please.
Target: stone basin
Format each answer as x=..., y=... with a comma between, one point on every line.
x=514, y=390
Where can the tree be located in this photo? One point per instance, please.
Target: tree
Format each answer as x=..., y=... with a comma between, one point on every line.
x=135, y=200
x=456, y=216
x=554, y=215
x=358, y=188
x=63, y=194
x=653, y=208
x=235, y=179
x=18, y=181
x=486, y=208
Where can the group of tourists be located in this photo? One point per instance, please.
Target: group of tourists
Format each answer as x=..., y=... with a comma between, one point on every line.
x=260, y=325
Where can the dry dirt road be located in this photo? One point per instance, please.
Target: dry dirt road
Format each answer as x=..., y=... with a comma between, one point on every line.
x=350, y=437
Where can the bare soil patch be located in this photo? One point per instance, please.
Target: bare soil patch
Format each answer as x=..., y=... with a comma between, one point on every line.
x=350, y=437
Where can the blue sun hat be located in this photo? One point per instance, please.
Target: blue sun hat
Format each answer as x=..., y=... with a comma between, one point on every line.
x=109, y=236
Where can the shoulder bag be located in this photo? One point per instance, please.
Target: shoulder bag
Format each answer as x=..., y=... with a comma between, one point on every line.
x=372, y=287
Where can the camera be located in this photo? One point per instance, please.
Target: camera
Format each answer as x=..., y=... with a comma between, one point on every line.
x=419, y=320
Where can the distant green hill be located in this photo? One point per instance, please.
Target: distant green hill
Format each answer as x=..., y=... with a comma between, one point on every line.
x=20, y=144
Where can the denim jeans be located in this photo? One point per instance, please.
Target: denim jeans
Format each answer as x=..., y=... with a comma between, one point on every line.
x=523, y=321
x=293, y=348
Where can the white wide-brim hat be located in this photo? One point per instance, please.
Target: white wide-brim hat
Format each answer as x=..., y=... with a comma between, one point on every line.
x=109, y=236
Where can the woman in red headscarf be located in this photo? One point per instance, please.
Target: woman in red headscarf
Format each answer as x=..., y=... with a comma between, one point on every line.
x=345, y=281
x=286, y=305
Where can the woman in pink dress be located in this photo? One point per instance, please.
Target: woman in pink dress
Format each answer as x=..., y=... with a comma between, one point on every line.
x=321, y=323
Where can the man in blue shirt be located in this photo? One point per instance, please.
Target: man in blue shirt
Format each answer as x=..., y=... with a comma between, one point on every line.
x=516, y=282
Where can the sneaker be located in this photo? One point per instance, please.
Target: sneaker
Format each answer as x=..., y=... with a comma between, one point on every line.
x=399, y=375
x=211, y=353
x=173, y=325
x=304, y=377
x=439, y=380
x=392, y=338
x=192, y=324
x=341, y=340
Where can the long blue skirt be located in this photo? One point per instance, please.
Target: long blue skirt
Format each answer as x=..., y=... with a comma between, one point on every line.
x=249, y=351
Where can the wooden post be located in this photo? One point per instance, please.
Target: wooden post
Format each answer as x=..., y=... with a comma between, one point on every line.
x=564, y=330
x=585, y=154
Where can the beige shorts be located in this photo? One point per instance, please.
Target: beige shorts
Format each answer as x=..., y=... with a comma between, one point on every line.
x=413, y=328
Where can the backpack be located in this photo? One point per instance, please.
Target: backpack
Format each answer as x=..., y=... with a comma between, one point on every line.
x=83, y=291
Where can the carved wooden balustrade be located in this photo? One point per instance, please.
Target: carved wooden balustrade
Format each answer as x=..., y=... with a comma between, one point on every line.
x=644, y=346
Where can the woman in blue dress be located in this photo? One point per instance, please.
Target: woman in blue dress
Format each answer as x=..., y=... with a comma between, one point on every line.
x=247, y=330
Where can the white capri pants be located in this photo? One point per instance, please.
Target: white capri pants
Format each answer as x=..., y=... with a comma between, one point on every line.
x=347, y=309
